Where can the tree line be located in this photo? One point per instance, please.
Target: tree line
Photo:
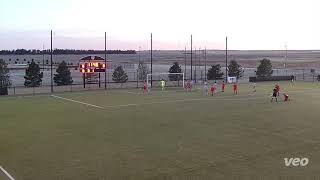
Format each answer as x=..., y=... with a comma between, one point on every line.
x=234, y=69
x=62, y=52
x=213, y=73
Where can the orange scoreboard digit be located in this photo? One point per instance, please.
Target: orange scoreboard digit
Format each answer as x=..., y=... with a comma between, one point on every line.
x=92, y=65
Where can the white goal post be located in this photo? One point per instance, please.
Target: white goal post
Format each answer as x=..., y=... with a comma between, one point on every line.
x=232, y=80
x=163, y=74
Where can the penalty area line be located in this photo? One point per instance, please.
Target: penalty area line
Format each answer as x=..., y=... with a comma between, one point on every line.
x=129, y=92
x=6, y=173
x=79, y=102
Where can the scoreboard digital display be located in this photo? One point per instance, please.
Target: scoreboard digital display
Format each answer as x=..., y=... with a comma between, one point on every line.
x=92, y=64
x=92, y=67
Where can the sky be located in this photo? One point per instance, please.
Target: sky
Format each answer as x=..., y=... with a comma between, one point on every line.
x=80, y=24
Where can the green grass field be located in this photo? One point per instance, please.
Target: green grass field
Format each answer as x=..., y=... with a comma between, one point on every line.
x=164, y=135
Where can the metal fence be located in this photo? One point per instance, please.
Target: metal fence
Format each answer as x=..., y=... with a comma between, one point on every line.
x=199, y=76
x=22, y=90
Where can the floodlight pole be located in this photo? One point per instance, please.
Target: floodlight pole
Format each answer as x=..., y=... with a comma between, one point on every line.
x=51, y=63
x=226, y=58
x=139, y=54
x=185, y=60
x=205, y=63
x=151, y=58
x=43, y=58
x=195, y=64
x=138, y=68
x=105, y=60
x=199, y=64
x=191, y=58
x=285, y=62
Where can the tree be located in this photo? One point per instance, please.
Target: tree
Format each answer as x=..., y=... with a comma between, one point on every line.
x=235, y=69
x=142, y=71
x=265, y=68
x=33, y=77
x=4, y=78
x=214, y=72
x=119, y=75
x=175, y=68
x=63, y=76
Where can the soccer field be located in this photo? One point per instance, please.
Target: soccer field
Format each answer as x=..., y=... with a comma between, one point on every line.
x=172, y=134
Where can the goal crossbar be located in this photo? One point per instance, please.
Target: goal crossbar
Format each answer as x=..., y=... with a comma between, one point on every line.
x=153, y=74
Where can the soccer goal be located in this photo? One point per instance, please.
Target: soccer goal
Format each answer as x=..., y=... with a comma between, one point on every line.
x=171, y=79
x=232, y=80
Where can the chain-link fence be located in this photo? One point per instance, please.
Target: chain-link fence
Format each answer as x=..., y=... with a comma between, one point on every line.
x=199, y=75
x=162, y=61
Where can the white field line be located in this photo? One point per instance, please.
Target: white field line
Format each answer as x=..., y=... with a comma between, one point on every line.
x=71, y=100
x=108, y=92
x=305, y=91
x=183, y=100
x=251, y=96
x=6, y=173
x=129, y=92
x=221, y=98
x=158, y=102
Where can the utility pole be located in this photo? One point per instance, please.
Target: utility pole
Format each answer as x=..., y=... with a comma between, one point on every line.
x=226, y=59
x=205, y=63
x=151, y=59
x=286, y=57
x=43, y=58
x=191, y=58
x=139, y=54
x=51, y=64
x=195, y=64
x=105, y=60
x=199, y=63
x=139, y=70
x=185, y=62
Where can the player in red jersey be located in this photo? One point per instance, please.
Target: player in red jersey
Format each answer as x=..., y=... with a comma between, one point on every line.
x=285, y=97
x=223, y=85
x=213, y=89
x=145, y=87
x=235, y=88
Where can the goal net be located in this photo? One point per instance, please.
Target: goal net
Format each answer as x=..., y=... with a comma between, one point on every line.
x=232, y=80
x=171, y=79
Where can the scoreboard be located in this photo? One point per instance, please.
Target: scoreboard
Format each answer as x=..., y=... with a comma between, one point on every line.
x=92, y=64
x=92, y=67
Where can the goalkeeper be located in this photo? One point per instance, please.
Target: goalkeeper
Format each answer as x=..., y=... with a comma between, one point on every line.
x=162, y=84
